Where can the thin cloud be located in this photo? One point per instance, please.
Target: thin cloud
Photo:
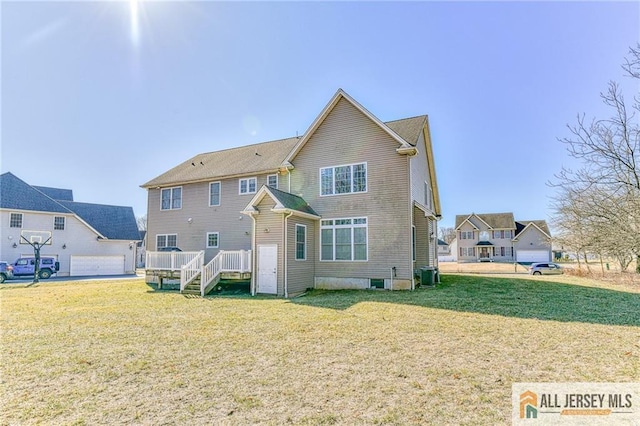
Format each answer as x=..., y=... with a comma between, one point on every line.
x=44, y=33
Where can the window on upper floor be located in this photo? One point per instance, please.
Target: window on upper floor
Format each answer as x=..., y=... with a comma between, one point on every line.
x=247, y=185
x=346, y=179
x=171, y=198
x=15, y=220
x=272, y=181
x=483, y=235
x=502, y=234
x=344, y=239
x=466, y=235
x=214, y=193
x=58, y=223
x=166, y=240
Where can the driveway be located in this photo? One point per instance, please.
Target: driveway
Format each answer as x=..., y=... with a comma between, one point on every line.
x=54, y=278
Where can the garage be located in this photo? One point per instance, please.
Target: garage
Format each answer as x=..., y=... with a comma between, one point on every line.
x=96, y=265
x=532, y=256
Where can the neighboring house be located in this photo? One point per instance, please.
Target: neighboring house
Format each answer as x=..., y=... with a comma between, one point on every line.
x=141, y=250
x=446, y=252
x=352, y=203
x=87, y=239
x=498, y=237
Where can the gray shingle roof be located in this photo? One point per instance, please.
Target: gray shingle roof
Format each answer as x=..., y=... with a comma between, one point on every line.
x=292, y=202
x=542, y=224
x=113, y=222
x=19, y=195
x=257, y=158
x=56, y=193
x=408, y=129
x=244, y=160
x=494, y=220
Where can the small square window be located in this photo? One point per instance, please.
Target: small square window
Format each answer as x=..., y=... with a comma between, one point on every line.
x=15, y=221
x=58, y=223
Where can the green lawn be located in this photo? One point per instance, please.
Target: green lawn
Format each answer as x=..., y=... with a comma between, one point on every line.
x=119, y=352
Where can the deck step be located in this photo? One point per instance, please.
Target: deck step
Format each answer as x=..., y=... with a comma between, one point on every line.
x=189, y=291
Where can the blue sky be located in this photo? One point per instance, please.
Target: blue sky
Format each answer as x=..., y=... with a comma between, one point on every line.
x=101, y=97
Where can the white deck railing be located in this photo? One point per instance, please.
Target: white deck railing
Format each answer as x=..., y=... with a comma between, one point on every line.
x=191, y=264
x=169, y=260
x=191, y=270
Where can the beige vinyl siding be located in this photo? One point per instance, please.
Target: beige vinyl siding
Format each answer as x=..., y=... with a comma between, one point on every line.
x=347, y=136
x=532, y=239
x=273, y=222
x=420, y=175
x=422, y=238
x=301, y=272
x=234, y=227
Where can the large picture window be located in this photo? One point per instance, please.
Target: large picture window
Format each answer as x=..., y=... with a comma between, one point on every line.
x=344, y=239
x=171, y=198
x=343, y=179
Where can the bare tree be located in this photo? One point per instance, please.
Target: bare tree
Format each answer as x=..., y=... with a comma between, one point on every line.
x=142, y=222
x=599, y=202
x=447, y=234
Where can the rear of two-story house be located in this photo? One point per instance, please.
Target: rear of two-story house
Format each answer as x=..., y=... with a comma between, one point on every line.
x=353, y=203
x=499, y=237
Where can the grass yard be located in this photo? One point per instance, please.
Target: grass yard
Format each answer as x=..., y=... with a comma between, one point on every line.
x=118, y=352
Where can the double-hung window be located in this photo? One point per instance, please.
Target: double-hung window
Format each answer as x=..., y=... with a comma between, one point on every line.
x=58, y=223
x=272, y=181
x=15, y=220
x=214, y=194
x=301, y=242
x=247, y=186
x=166, y=240
x=213, y=239
x=346, y=179
x=344, y=239
x=171, y=198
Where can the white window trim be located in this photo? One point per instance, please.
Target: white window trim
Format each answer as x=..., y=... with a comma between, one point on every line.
x=166, y=240
x=333, y=189
x=219, y=193
x=171, y=199
x=352, y=226
x=247, y=180
x=64, y=223
x=217, y=239
x=305, y=243
x=21, y=220
x=277, y=182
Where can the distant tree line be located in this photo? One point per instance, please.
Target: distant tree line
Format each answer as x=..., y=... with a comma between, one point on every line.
x=597, y=205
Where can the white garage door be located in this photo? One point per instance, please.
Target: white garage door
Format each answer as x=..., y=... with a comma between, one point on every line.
x=97, y=265
x=533, y=256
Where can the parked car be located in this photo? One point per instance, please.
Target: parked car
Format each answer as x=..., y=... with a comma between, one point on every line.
x=6, y=271
x=170, y=248
x=27, y=266
x=545, y=269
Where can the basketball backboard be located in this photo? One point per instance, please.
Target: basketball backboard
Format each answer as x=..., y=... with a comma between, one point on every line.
x=33, y=237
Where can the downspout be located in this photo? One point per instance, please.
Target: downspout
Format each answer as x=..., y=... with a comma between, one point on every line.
x=410, y=203
x=254, y=248
x=286, y=255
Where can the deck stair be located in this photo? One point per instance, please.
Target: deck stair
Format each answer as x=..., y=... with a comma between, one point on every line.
x=196, y=277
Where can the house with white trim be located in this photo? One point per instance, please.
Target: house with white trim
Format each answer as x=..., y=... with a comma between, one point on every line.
x=86, y=239
x=499, y=237
x=352, y=203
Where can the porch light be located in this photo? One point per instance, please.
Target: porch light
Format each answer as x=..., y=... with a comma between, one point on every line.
x=64, y=246
x=14, y=245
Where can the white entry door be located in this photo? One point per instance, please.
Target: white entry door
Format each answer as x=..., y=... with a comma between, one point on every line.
x=268, y=269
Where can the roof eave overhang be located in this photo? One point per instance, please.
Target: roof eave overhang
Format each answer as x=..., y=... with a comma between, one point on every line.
x=284, y=210
x=149, y=185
